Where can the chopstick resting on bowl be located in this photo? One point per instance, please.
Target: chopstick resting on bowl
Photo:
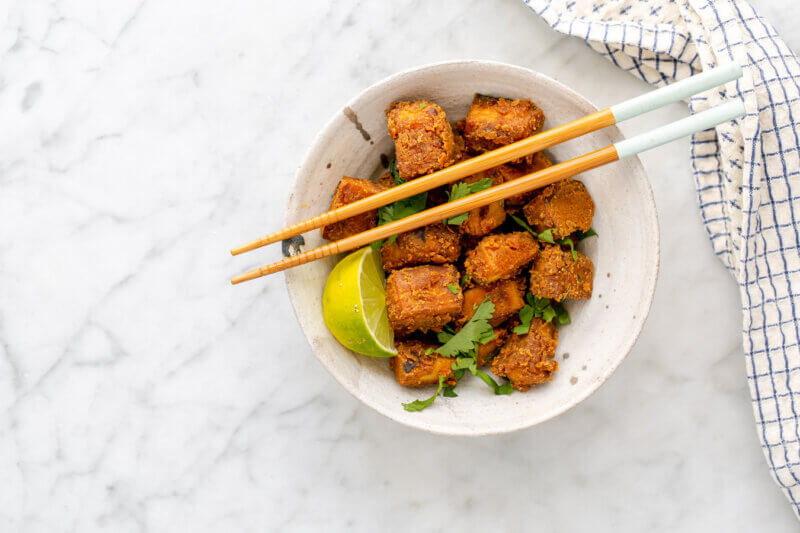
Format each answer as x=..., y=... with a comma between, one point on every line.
x=600, y=119
x=614, y=152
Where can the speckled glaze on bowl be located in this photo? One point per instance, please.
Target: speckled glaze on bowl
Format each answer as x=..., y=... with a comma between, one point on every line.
x=625, y=255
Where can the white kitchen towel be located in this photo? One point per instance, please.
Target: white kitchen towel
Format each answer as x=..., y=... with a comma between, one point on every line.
x=747, y=174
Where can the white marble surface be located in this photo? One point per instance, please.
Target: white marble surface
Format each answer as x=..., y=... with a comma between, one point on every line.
x=140, y=139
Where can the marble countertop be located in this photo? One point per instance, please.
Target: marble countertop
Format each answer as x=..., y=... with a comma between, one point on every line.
x=139, y=391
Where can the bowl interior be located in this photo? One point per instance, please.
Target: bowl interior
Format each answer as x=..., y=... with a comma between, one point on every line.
x=603, y=329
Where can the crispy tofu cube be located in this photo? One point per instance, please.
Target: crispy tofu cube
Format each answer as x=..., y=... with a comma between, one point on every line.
x=487, y=351
x=508, y=297
x=423, y=297
x=495, y=122
x=556, y=275
x=538, y=161
x=412, y=368
x=527, y=360
x=500, y=256
x=436, y=244
x=484, y=219
x=423, y=138
x=564, y=206
x=385, y=181
x=348, y=191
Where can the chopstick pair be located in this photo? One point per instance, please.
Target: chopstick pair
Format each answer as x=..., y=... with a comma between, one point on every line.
x=595, y=121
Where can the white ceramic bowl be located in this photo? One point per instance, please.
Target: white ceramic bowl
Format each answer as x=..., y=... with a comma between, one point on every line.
x=625, y=254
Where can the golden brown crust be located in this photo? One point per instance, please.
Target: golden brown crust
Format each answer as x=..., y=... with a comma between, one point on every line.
x=423, y=138
x=348, y=191
x=495, y=122
x=436, y=243
x=556, y=275
x=564, y=206
x=420, y=298
x=412, y=368
x=527, y=360
x=385, y=181
x=507, y=297
x=500, y=256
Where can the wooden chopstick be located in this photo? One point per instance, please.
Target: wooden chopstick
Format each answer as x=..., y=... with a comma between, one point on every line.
x=546, y=139
x=626, y=148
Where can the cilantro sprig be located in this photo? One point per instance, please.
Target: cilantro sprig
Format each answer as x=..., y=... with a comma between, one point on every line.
x=476, y=331
x=401, y=208
x=542, y=308
x=462, y=190
x=419, y=405
x=547, y=236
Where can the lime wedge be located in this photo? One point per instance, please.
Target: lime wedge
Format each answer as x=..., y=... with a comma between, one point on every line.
x=354, y=305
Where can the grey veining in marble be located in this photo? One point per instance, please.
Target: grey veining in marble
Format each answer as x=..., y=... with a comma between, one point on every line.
x=141, y=139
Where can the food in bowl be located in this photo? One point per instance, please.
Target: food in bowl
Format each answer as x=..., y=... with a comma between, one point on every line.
x=486, y=287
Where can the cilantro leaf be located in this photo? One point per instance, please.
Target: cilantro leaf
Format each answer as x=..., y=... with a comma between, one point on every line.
x=444, y=337
x=524, y=225
x=449, y=392
x=476, y=330
x=453, y=288
x=562, y=314
x=548, y=314
x=429, y=351
x=547, y=236
x=422, y=105
x=486, y=378
x=419, y=405
x=465, y=279
x=462, y=190
x=525, y=316
x=580, y=235
x=393, y=171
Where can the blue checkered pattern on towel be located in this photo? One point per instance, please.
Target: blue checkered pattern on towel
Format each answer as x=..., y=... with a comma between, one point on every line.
x=747, y=174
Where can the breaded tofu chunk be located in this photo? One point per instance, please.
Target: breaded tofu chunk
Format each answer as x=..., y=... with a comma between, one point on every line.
x=538, y=161
x=423, y=297
x=385, y=181
x=348, y=191
x=484, y=219
x=527, y=360
x=557, y=275
x=500, y=256
x=564, y=206
x=436, y=243
x=508, y=297
x=412, y=368
x=423, y=138
x=487, y=351
x=495, y=122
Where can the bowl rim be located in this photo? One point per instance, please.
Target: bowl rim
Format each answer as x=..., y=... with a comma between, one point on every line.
x=642, y=312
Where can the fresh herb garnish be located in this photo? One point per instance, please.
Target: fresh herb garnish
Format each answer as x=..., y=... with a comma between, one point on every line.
x=393, y=171
x=568, y=242
x=453, y=288
x=465, y=279
x=476, y=331
x=462, y=190
x=449, y=392
x=547, y=236
x=419, y=405
x=429, y=351
x=580, y=235
x=422, y=105
x=540, y=308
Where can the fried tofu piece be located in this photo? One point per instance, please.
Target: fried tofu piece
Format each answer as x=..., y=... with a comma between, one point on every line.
x=348, y=191
x=423, y=297
x=484, y=219
x=500, y=256
x=557, y=275
x=436, y=243
x=495, y=122
x=527, y=360
x=423, y=138
x=564, y=206
x=538, y=161
x=487, y=351
x=508, y=297
x=412, y=368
